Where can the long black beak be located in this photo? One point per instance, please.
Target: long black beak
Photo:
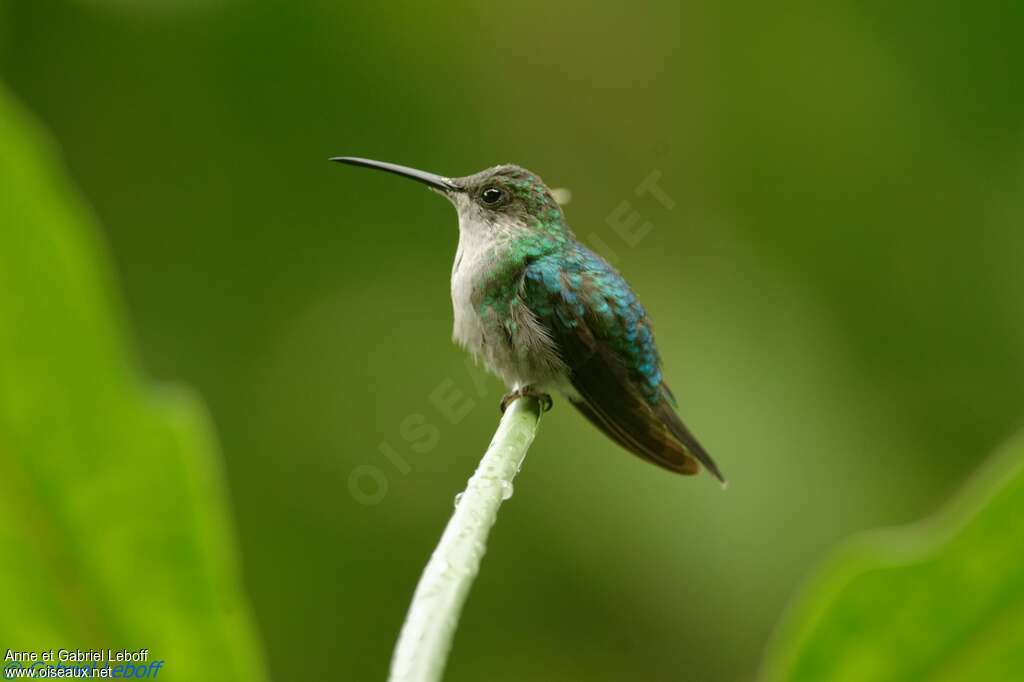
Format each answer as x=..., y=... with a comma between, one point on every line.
x=429, y=179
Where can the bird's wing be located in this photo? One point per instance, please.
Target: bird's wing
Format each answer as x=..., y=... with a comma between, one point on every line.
x=604, y=337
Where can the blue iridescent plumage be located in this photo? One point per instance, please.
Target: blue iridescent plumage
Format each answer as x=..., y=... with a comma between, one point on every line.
x=578, y=285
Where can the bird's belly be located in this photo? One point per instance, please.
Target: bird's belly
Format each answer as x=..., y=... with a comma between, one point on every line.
x=499, y=330
x=509, y=343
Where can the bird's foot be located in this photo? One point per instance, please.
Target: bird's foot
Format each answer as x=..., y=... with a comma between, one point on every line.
x=545, y=400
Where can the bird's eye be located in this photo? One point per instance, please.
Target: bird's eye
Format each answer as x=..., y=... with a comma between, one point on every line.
x=491, y=196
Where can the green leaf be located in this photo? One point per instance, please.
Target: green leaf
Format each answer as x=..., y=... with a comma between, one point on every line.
x=114, y=527
x=943, y=600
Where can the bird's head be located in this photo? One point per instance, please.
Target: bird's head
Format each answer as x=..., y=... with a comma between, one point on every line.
x=504, y=200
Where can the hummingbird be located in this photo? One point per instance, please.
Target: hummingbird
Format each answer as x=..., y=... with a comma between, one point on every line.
x=545, y=313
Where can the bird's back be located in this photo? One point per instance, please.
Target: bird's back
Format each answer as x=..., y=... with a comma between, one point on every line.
x=604, y=336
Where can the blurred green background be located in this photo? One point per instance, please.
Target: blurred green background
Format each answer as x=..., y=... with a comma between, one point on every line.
x=836, y=291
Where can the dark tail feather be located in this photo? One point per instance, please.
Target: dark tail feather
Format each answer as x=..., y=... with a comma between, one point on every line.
x=658, y=446
x=689, y=441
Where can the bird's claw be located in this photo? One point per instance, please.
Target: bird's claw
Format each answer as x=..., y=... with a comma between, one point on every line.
x=545, y=400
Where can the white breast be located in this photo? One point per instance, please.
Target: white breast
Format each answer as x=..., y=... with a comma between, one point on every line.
x=468, y=269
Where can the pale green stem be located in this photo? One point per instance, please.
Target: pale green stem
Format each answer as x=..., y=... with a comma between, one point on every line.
x=423, y=645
